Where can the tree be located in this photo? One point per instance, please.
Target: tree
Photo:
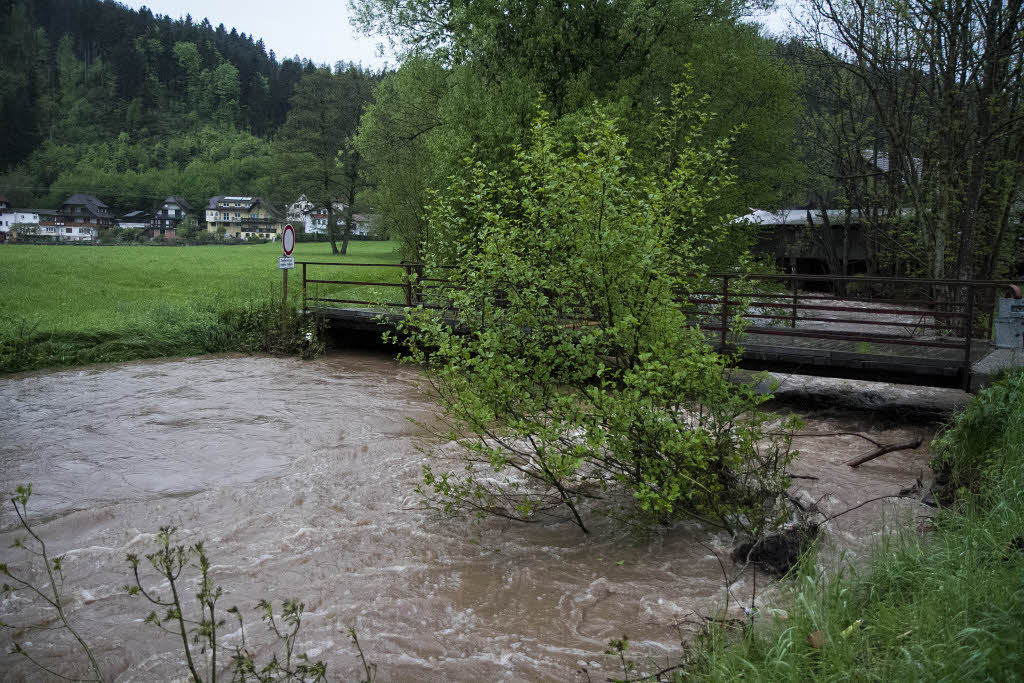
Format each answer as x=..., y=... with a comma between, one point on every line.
x=471, y=73
x=394, y=141
x=944, y=85
x=570, y=373
x=312, y=149
x=358, y=87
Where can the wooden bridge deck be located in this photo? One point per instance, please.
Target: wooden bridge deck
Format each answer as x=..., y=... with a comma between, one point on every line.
x=910, y=331
x=923, y=366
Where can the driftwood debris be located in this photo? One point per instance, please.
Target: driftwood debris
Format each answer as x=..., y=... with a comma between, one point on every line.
x=882, y=450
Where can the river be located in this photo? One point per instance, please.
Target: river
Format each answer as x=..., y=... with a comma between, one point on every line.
x=299, y=476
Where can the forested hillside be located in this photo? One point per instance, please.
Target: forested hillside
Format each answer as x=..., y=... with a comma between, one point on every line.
x=98, y=97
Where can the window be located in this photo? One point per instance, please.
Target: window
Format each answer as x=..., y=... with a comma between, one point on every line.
x=67, y=229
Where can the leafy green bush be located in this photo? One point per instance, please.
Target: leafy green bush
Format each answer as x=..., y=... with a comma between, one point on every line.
x=564, y=359
x=984, y=438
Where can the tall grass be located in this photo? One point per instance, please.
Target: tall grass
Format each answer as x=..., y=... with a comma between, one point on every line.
x=948, y=605
x=65, y=306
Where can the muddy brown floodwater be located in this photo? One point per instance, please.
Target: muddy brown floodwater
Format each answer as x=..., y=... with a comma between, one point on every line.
x=300, y=476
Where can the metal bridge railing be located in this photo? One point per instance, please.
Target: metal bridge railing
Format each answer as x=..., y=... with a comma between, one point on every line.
x=856, y=314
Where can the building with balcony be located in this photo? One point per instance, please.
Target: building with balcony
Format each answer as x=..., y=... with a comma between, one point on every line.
x=84, y=210
x=243, y=217
x=169, y=217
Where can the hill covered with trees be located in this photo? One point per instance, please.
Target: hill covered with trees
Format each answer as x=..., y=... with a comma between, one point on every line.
x=134, y=106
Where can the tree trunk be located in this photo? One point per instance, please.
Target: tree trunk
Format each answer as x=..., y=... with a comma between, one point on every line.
x=332, y=228
x=345, y=235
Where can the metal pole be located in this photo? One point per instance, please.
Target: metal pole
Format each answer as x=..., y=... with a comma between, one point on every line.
x=303, y=287
x=792, y=323
x=967, y=342
x=725, y=311
x=284, y=295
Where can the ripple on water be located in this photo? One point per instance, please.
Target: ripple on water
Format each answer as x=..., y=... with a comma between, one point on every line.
x=299, y=475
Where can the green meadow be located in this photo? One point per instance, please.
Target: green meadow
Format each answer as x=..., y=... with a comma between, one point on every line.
x=65, y=305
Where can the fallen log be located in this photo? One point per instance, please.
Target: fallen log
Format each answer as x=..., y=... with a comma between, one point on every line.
x=882, y=450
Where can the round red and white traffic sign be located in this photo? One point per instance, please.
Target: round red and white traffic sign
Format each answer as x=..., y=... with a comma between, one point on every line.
x=288, y=240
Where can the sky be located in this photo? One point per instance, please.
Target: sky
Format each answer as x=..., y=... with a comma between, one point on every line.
x=319, y=30
x=315, y=29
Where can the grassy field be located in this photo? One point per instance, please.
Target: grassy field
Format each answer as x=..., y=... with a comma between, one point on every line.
x=66, y=305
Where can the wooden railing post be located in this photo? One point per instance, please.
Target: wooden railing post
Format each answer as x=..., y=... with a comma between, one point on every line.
x=408, y=284
x=969, y=333
x=725, y=311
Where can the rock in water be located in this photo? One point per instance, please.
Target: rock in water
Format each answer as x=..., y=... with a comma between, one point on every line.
x=778, y=552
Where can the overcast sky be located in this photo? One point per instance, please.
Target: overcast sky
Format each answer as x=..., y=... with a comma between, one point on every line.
x=316, y=29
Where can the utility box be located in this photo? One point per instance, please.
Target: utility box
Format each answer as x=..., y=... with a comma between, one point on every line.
x=1009, y=324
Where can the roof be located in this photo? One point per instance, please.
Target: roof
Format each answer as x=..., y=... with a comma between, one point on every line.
x=180, y=201
x=135, y=214
x=799, y=216
x=212, y=204
x=92, y=201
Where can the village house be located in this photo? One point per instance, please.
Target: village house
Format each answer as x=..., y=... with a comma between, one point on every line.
x=11, y=218
x=135, y=220
x=85, y=210
x=169, y=218
x=243, y=217
x=314, y=218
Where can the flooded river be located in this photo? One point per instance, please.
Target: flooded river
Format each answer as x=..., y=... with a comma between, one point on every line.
x=299, y=476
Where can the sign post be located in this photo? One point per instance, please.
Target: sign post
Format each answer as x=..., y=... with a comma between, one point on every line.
x=286, y=262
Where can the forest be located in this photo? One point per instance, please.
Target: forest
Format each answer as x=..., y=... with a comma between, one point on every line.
x=903, y=120
x=133, y=107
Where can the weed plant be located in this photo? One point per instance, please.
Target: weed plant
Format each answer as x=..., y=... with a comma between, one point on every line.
x=948, y=605
x=198, y=625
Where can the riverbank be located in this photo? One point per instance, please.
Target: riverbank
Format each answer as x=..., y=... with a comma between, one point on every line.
x=939, y=600
x=68, y=307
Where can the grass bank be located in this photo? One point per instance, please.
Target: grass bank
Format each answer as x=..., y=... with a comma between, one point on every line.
x=67, y=306
x=946, y=605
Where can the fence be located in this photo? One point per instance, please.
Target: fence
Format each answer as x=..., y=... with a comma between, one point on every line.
x=931, y=323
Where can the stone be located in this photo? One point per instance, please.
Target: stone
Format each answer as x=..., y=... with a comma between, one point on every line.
x=778, y=552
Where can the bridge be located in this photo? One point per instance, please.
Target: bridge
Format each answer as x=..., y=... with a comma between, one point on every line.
x=903, y=330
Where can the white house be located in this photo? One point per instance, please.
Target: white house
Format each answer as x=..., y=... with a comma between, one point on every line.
x=68, y=233
x=314, y=218
x=315, y=221
x=12, y=217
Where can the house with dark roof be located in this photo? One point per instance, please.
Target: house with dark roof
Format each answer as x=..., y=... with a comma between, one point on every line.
x=85, y=210
x=169, y=217
x=137, y=220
